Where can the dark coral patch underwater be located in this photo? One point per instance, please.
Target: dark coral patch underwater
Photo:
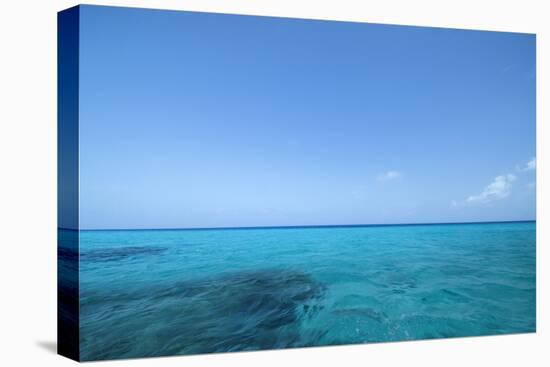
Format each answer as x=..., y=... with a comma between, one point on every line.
x=246, y=310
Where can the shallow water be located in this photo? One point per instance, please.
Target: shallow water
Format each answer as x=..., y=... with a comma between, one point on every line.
x=166, y=292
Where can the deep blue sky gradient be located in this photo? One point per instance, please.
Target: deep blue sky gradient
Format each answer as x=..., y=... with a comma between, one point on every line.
x=206, y=120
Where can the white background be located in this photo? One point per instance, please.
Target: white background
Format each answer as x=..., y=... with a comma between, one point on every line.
x=28, y=182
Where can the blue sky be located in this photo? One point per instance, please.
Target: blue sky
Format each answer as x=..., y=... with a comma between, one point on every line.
x=208, y=120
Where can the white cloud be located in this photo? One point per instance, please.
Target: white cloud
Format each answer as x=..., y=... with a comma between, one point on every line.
x=529, y=166
x=500, y=188
x=389, y=175
x=496, y=190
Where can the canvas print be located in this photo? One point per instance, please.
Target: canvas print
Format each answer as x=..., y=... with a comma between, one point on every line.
x=241, y=183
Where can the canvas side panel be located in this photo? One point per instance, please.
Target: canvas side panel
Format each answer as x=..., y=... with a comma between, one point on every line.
x=67, y=183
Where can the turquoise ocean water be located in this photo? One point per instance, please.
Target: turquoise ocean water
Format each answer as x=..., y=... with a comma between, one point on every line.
x=165, y=292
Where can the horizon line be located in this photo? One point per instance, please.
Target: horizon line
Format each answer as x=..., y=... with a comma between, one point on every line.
x=297, y=226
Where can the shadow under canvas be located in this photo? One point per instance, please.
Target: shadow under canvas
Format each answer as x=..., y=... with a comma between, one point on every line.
x=48, y=345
